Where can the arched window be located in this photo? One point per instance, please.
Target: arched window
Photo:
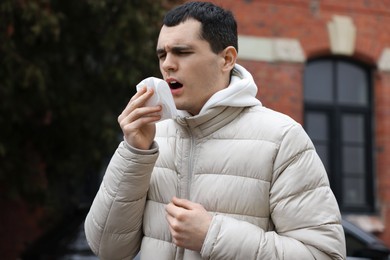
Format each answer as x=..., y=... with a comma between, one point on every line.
x=338, y=118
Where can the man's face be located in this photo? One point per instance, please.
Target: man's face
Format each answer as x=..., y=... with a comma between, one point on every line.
x=193, y=72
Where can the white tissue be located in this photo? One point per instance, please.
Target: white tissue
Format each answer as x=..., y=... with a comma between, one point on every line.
x=162, y=96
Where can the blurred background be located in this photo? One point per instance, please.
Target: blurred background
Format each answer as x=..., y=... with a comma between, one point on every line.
x=68, y=68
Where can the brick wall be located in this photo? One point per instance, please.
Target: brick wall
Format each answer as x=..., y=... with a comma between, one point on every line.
x=382, y=135
x=279, y=86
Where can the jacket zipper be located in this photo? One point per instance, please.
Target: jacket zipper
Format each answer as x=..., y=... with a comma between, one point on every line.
x=179, y=250
x=190, y=164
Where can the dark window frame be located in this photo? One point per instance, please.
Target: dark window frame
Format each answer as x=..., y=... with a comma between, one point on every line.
x=334, y=113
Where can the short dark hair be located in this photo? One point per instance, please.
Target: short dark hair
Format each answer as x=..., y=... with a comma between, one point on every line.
x=218, y=26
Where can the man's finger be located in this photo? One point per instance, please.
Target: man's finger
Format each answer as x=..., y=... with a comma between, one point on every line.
x=171, y=209
x=183, y=203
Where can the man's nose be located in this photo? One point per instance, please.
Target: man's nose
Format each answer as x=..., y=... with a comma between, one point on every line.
x=169, y=64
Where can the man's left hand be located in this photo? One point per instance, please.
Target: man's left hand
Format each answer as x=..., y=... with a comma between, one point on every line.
x=188, y=223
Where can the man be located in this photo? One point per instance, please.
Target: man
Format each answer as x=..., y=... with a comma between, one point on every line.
x=227, y=179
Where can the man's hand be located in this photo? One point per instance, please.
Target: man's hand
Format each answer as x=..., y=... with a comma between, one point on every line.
x=188, y=223
x=137, y=121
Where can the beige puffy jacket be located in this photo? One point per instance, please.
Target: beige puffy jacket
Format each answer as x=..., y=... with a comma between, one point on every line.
x=254, y=169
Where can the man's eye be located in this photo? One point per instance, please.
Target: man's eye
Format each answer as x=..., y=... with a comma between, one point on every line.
x=184, y=53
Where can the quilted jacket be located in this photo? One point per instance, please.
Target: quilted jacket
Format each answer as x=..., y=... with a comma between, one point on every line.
x=254, y=169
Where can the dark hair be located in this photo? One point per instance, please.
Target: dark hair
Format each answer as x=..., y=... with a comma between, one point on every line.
x=218, y=26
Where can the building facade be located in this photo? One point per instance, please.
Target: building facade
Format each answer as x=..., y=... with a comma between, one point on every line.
x=326, y=63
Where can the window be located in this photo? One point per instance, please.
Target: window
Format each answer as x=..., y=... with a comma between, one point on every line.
x=338, y=119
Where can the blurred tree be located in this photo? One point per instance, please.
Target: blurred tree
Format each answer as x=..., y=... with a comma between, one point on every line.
x=67, y=69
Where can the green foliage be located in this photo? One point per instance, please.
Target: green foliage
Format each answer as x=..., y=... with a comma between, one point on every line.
x=67, y=69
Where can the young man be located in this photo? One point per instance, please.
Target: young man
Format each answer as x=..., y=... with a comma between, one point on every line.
x=227, y=179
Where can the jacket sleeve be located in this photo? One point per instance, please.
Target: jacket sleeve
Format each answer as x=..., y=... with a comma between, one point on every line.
x=304, y=212
x=113, y=226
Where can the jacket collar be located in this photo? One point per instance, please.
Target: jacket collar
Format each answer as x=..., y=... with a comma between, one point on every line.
x=209, y=122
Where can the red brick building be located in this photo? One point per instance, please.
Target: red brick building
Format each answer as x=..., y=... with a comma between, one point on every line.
x=327, y=64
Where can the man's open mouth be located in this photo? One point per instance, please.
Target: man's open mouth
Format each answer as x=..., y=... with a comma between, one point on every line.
x=175, y=84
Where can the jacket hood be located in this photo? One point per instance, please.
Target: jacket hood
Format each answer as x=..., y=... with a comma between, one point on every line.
x=241, y=92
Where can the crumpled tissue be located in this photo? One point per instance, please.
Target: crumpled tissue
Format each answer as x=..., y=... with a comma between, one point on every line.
x=162, y=96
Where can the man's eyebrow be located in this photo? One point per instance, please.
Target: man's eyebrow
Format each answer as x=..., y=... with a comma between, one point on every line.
x=160, y=51
x=181, y=48
x=174, y=49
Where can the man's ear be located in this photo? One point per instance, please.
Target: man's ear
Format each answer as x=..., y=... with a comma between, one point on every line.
x=230, y=57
